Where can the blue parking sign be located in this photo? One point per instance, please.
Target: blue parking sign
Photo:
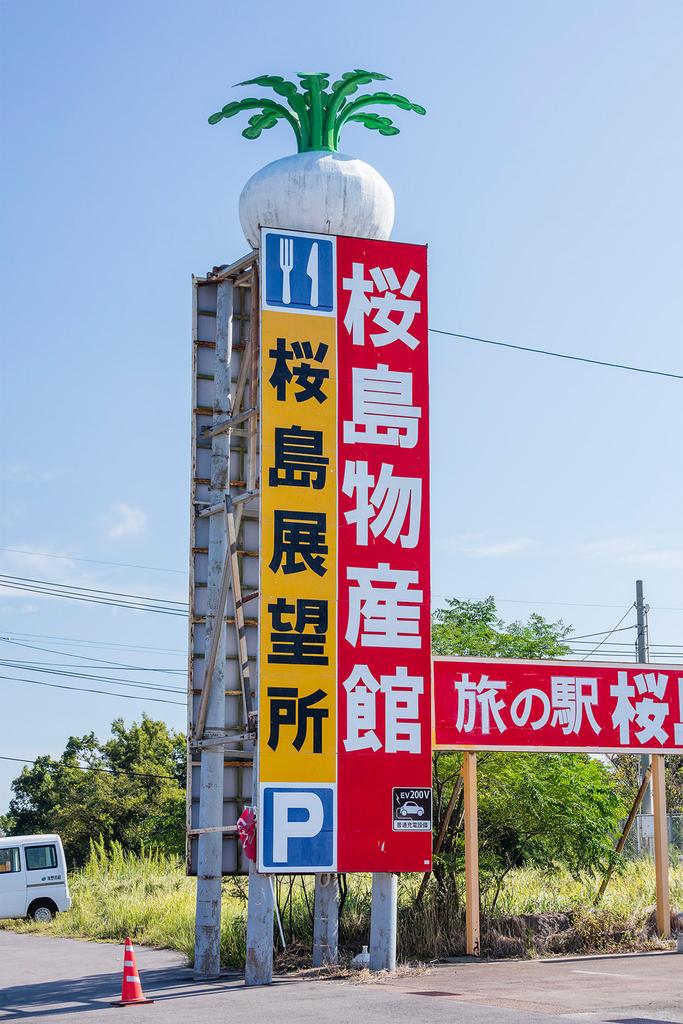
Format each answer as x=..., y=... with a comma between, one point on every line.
x=299, y=272
x=297, y=828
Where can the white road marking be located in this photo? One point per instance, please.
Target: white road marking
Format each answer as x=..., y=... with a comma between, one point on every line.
x=606, y=974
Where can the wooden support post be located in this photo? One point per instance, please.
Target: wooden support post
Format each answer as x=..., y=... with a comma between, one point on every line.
x=625, y=832
x=469, y=776
x=438, y=842
x=661, y=846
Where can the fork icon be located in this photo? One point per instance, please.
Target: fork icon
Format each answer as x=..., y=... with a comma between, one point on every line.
x=286, y=266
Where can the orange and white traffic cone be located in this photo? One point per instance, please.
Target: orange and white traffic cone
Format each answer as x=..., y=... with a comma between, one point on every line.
x=131, y=989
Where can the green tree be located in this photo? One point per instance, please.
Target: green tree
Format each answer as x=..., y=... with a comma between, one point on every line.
x=626, y=769
x=474, y=629
x=545, y=810
x=132, y=791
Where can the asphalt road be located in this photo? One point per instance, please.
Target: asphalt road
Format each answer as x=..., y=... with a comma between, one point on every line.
x=63, y=980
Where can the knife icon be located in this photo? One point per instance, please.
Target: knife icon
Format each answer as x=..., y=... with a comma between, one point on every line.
x=312, y=271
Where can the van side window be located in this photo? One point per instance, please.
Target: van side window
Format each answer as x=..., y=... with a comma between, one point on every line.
x=40, y=857
x=9, y=860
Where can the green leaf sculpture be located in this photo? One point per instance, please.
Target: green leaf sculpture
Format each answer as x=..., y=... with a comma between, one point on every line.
x=319, y=111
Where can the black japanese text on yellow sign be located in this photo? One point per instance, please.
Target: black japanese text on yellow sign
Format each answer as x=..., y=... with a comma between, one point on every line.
x=297, y=720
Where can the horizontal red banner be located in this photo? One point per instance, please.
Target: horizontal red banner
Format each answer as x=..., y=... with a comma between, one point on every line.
x=489, y=703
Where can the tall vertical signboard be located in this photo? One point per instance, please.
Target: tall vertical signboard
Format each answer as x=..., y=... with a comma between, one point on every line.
x=344, y=650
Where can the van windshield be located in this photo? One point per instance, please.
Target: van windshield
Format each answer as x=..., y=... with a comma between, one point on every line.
x=40, y=857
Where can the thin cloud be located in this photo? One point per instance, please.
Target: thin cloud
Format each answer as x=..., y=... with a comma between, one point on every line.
x=20, y=473
x=479, y=546
x=631, y=551
x=11, y=514
x=125, y=521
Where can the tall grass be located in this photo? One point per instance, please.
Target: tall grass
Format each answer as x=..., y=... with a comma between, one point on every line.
x=540, y=913
x=150, y=898
x=146, y=896
x=630, y=892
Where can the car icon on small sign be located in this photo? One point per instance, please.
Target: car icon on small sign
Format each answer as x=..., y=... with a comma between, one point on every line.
x=410, y=807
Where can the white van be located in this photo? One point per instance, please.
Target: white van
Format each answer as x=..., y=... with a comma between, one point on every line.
x=33, y=877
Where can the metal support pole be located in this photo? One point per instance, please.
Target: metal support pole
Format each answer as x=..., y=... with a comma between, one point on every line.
x=258, y=968
x=260, y=911
x=325, y=920
x=643, y=656
x=207, y=956
x=240, y=631
x=383, y=921
x=261, y=907
x=259, y=964
x=471, y=818
x=661, y=847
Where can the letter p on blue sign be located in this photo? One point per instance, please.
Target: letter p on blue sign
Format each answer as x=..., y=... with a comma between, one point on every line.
x=297, y=828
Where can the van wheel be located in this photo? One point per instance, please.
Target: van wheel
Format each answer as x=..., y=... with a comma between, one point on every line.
x=42, y=911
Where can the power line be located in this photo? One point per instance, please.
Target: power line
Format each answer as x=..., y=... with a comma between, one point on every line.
x=180, y=608
x=95, y=561
x=601, y=633
x=557, y=355
x=621, y=643
x=85, y=689
x=614, y=645
x=619, y=656
x=37, y=666
x=512, y=600
x=564, y=604
x=45, y=592
x=85, y=594
x=114, y=665
x=606, y=638
x=80, y=642
x=56, y=665
x=95, y=590
x=91, y=768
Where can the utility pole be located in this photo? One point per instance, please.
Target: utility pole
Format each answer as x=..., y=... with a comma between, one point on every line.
x=642, y=656
x=654, y=801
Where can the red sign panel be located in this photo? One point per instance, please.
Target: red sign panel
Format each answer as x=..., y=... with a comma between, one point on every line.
x=489, y=703
x=384, y=671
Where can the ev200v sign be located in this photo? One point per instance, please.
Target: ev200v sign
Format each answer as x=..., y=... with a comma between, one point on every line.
x=345, y=763
x=412, y=810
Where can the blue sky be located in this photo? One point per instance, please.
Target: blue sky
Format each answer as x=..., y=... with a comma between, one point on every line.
x=546, y=180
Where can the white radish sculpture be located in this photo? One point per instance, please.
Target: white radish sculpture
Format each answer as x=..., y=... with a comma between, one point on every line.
x=317, y=189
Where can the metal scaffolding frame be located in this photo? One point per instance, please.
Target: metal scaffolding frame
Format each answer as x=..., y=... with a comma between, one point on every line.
x=224, y=579
x=224, y=541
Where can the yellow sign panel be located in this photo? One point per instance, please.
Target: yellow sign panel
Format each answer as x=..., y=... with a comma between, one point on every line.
x=297, y=677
